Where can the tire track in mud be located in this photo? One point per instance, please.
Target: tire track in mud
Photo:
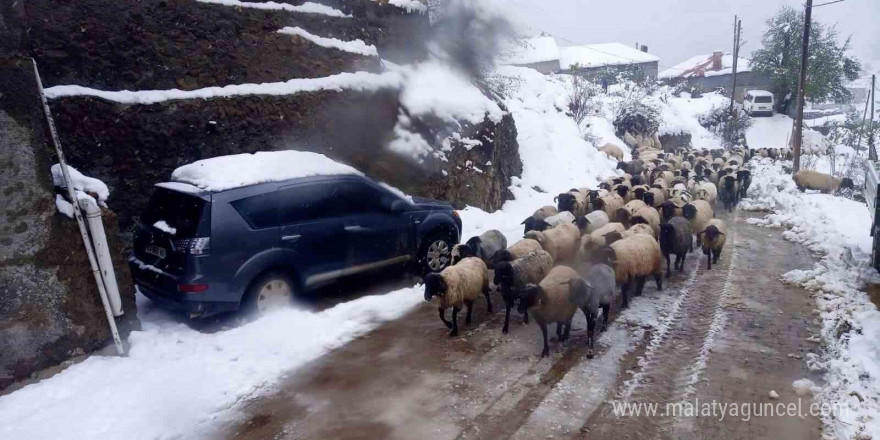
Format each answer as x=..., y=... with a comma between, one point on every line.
x=676, y=357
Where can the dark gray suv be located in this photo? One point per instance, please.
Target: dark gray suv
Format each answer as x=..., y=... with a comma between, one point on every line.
x=255, y=246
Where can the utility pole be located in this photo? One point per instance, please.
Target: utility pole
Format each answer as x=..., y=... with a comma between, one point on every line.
x=802, y=86
x=737, y=30
x=872, y=150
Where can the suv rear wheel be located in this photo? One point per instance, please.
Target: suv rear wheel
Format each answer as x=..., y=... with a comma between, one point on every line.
x=269, y=292
x=436, y=252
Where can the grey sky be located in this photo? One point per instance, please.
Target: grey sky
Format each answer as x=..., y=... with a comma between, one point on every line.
x=675, y=30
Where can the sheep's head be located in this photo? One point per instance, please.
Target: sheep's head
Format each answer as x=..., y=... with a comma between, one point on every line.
x=668, y=209
x=742, y=175
x=847, y=183
x=503, y=274
x=460, y=252
x=685, y=172
x=605, y=185
x=567, y=202
x=598, y=204
x=712, y=232
x=667, y=233
x=689, y=211
x=611, y=237
x=537, y=236
x=582, y=223
x=528, y=297
x=606, y=254
x=621, y=190
x=621, y=165
x=435, y=285
x=639, y=220
x=728, y=182
x=648, y=198
x=639, y=193
x=623, y=215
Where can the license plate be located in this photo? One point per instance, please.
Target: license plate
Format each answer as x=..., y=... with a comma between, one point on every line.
x=155, y=251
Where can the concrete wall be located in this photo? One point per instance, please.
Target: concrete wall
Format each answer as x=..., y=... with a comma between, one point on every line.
x=545, y=67
x=745, y=81
x=646, y=70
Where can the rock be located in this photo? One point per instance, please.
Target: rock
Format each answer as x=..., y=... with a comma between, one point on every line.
x=802, y=387
x=773, y=395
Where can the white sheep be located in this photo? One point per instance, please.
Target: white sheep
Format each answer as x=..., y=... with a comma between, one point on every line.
x=483, y=246
x=512, y=276
x=610, y=204
x=625, y=212
x=596, y=239
x=712, y=240
x=634, y=259
x=540, y=214
x=457, y=286
x=592, y=221
x=549, y=302
x=699, y=213
x=809, y=179
x=612, y=150
x=561, y=242
x=706, y=191
x=648, y=216
x=517, y=250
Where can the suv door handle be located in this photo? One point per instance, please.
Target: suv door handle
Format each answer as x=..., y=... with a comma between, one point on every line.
x=356, y=228
x=291, y=237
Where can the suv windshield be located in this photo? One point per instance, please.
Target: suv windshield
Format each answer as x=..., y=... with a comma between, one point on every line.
x=183, y=212
x=763, y=99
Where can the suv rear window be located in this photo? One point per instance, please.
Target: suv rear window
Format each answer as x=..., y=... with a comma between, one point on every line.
x=763, y=99
x=182, y=212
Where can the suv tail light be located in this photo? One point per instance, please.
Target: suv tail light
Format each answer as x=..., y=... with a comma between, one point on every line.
x=192, y=288
x=193, y=246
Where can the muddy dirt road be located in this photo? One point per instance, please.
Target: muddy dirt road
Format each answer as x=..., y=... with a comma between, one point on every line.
x=731, y=334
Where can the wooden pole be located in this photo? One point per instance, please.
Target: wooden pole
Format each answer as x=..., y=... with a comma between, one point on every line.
x=802, y=86
x=735, y=45
x=872, y=150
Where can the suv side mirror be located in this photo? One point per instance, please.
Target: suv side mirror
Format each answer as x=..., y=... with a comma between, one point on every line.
x=399, y=206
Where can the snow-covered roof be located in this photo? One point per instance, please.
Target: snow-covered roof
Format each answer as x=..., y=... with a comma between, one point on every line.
x=531, y=50
x=237, y=170
x=605, y=54
x=701, y=65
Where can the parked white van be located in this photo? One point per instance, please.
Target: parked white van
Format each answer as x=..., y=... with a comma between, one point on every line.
x=758, y=101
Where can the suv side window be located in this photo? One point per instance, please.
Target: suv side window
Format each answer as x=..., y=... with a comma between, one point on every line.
x=357, y=198
x=307, y=202
x=259, y=211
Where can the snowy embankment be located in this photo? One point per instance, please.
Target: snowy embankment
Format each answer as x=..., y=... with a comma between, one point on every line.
x=305, y=8
x=177, y=382
x=353, y=46
x=837, y=230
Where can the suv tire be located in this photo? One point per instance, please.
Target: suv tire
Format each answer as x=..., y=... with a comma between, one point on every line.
x=435, y=253
x=268, y=292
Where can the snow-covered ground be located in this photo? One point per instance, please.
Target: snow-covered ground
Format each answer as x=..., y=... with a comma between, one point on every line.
x=837, y=229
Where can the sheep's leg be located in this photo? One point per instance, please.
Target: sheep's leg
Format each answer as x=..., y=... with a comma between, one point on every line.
x=640, y=285
x=567, y=332
x=606, y=310
x=717, y=253
x=488, y=301
x=443, y=318
x=559, y=331
x=507, y=305
x=681, y=265
x=454, y=322
x=546, y=351
x=526, y=318
x=669, y=265
x=709, y=258
x=659, y=280
x=591, y=327
x=470, y=308
x=623, y=294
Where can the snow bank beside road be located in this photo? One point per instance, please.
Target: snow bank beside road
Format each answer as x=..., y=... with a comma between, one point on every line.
x=353, y=46
x=177, y=382
x=838, y=230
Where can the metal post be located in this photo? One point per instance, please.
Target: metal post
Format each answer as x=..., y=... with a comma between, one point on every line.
x=872, y=150
x=802, y=85
x=71, y=193
x=735, y=44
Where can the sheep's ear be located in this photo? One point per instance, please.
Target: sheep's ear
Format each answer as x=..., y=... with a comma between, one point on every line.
x=524, y=221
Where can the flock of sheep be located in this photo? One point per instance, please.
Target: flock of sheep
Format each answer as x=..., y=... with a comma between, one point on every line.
x=575, y=255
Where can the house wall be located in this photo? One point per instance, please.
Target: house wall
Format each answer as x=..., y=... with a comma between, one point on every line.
x=745, y=81
x=545, y=67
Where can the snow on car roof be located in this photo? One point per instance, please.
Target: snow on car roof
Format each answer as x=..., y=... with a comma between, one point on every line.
x=606, y=54
x=237, y=170
x=760, y=93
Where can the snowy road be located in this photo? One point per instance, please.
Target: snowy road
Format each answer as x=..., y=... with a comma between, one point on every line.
x=731, y=334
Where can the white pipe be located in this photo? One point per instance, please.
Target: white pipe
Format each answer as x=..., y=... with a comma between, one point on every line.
x=102, y=253
x=77, y=213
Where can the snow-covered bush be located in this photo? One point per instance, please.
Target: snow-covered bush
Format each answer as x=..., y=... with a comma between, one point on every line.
x=731, y=128
x=582, y=97
x=637, y=117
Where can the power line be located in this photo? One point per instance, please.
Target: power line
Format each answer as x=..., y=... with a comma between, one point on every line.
x=828, y=3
